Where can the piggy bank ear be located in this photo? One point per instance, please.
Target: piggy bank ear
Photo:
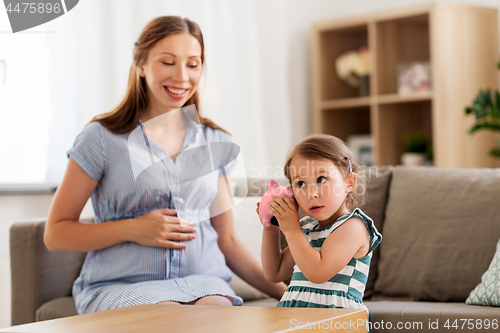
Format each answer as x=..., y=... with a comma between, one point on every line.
x=289, y=192
x=272, y=185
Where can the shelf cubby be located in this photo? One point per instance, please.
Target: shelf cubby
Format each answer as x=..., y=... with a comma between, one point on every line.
x=333, y=44
x=400, y=41
x=346, y=122
x=396, y=121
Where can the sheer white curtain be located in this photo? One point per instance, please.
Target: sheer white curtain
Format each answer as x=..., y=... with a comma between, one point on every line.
x=25, y=106
x=243, y=88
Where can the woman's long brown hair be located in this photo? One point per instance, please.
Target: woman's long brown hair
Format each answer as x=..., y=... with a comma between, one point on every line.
x=125, y=116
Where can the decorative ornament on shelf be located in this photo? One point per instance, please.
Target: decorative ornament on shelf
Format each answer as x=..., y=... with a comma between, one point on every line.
x=414, y=77
x=486, y=109
x=354, y=68
x=362, y=147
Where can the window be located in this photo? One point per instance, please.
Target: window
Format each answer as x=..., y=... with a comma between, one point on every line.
x=25, y=106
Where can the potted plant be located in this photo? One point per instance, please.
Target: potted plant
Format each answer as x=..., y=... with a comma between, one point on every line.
x=486, y=109
x=416, y=149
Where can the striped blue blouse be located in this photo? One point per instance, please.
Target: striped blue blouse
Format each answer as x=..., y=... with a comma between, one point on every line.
x=136, y=176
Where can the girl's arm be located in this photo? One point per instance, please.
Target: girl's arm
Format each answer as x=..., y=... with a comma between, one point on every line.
x=238, y=257
x=63, y=231
x=350, y=240
x=277, y=264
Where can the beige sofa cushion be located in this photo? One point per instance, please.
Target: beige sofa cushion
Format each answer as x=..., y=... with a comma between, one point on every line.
x=249, y=229
x=440, y=232
x=57, y=308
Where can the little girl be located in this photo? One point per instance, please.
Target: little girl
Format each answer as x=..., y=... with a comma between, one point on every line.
x=328, y=257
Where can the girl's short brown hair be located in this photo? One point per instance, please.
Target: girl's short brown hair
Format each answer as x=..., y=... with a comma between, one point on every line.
x=331, y=148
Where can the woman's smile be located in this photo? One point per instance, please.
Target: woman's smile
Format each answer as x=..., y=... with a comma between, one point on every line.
x=177, y=93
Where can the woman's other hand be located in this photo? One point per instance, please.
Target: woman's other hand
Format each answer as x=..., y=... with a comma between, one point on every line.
x=160, y=229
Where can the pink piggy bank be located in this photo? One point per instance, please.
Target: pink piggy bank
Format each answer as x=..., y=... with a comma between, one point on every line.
x=274, y=189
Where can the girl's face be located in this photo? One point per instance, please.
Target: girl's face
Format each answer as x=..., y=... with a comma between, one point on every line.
x=319, y=188
x=172, y=71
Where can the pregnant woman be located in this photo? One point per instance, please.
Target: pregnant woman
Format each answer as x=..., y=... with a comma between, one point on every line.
x=160, y=235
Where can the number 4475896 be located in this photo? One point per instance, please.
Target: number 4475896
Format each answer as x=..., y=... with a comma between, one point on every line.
x=472, y=324
x=34, y=8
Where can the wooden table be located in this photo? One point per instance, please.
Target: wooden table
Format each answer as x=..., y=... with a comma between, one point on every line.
x=204, y=318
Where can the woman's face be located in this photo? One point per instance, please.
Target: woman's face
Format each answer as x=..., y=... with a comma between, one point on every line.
x=172, y=71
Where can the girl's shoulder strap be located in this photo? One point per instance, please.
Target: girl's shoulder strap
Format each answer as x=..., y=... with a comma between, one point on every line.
x=307, y=224
x=375, y=235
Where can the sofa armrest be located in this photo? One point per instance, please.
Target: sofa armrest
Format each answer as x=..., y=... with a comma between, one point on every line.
x=38, y=275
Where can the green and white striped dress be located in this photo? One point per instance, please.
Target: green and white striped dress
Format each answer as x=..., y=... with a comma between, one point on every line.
x=344, y=290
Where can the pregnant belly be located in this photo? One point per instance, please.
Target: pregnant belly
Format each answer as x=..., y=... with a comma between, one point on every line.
x=132, y=262
x=203, y=255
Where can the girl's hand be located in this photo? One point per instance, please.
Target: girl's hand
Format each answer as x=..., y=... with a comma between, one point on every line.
x=159, y=228
x=286, y=214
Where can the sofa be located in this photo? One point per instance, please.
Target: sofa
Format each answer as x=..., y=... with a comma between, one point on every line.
x=440, y=229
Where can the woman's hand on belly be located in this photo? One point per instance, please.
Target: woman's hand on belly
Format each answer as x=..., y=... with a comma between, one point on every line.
x=159, y=228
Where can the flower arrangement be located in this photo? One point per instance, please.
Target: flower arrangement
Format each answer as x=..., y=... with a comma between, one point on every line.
x=353, y=65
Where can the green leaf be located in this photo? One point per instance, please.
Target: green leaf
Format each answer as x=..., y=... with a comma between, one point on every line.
x=495, y=152
x=485, y=125
x=475, y=128
x=489, y=99
x=497, y=96
x=486, y=110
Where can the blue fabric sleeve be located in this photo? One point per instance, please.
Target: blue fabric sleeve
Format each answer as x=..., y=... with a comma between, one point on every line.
x=88, y=151
x=228, y=152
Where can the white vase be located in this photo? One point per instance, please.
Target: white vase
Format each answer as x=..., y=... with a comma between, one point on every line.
x=413, y=159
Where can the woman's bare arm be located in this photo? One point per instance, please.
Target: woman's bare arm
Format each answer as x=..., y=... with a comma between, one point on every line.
x=63, y=232
x=238, y=257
